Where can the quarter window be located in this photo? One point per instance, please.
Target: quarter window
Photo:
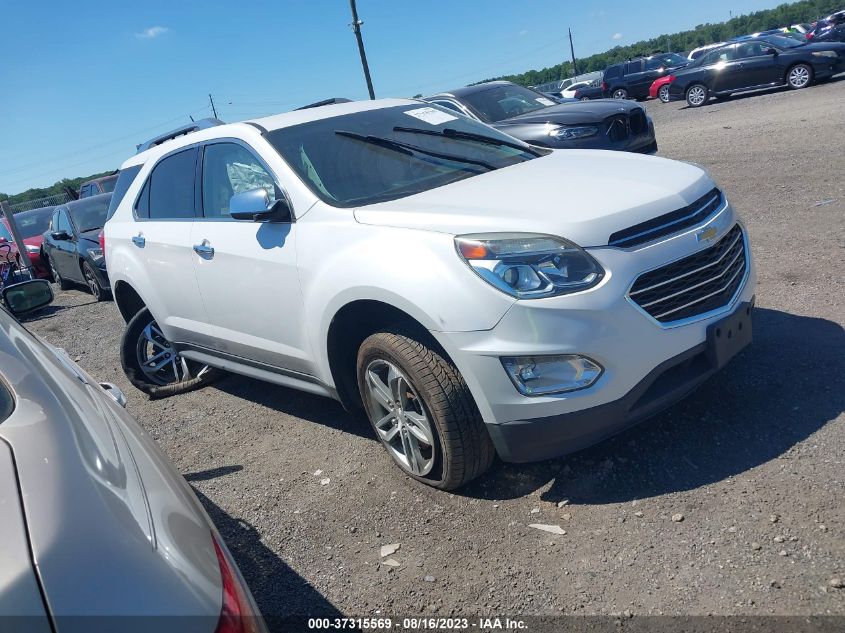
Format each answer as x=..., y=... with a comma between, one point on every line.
x=229, y=169
x=171, y=187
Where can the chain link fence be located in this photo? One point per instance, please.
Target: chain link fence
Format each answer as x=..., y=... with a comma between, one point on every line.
x=49, y=201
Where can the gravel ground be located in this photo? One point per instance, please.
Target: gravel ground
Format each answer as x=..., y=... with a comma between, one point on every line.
x=731, y=502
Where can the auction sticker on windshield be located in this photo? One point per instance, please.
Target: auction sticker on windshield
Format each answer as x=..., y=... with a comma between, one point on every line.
x=431, y=115
x=544, y=101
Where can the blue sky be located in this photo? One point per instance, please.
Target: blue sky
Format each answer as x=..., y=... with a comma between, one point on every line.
x=83, y=82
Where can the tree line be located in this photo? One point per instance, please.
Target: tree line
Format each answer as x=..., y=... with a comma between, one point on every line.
x=782, y=15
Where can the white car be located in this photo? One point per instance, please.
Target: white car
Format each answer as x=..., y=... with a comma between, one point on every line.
x=698, y=52
x=569, y=93
x=420, y=265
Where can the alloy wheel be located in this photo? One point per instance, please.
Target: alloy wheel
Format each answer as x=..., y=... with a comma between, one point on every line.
x=799, y=77
x=663, y=94
x=160, y=363
x=400, y=418
x=92, y=283
x=696, y=95
x=620, y=94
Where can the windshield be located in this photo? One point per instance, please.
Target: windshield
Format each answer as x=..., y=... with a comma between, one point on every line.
x=107, y=184
x=90, y=213
x=4, y=232
x=783, y=42
x=33, y=223
x=389, y=153
x=505, y=101
x=673, y=59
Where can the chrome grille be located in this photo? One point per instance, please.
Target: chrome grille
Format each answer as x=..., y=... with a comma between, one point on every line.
x=668, y=223
x=694, y=285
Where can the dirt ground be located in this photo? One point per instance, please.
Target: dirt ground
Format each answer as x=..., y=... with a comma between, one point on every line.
x=753, y=462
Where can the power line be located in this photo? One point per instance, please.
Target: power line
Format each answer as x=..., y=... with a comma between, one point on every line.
x=54, y=159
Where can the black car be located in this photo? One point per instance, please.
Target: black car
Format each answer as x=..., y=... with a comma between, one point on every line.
x=536, y=119
x=632, y=79
x=588, y=93
x=763, y=62
x=72, y=245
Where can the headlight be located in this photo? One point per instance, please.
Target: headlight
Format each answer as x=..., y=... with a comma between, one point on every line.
x=529, y=265
x=96, y=254
x=824, y=53
x=543, y=375
x=30, y=248
x=571, y=133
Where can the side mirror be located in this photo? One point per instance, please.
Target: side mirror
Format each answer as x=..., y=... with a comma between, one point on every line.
x=60, y=236
x=254, y=205
x=27, y=296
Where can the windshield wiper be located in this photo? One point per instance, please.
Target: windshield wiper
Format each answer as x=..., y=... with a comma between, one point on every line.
x=408, y=149
x=470, y=136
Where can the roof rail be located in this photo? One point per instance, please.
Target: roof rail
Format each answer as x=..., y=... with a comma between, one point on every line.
x=194, y=126
x=331, y=101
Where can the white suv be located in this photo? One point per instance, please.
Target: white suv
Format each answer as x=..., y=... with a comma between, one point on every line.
x=420, y=265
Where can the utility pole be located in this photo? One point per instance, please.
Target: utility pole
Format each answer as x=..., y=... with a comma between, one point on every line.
x=213, y=109
x=356, y=28
x=572, y=50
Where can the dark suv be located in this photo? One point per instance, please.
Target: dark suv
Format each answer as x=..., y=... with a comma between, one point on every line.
x=632, y=79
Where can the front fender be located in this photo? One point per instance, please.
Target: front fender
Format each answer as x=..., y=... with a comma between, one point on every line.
x=416, y=271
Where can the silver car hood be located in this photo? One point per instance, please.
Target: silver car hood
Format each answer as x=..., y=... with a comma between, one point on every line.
x=582, y=195
x=114, y=530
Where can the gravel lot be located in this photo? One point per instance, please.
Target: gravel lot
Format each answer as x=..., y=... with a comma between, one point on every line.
x=729, y=503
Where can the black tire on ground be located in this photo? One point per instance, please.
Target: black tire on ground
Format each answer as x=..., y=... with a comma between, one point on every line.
x=697, y=95
x=131, y=363
x=100, y=293
x=799, y=76
x=663, y=93
x=64, y=284
x=620, y=93
x=463, y=449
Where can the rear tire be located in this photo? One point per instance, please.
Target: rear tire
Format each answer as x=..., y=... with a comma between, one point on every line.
x=100, y=293
x=663, y=94
x=799, y=76
x=422, y=411
x=697, y=95
x=620, y=93
x=143, y=347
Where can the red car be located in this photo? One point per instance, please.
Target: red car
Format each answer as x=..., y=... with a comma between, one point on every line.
x=31, y=225
x=660, y=88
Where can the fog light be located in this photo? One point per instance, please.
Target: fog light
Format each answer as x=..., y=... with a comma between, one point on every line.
x=543, y=375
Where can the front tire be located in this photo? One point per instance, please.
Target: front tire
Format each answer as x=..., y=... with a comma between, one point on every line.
x=100, y=294
x=153, y=366
x=620, y=93
x=799, y=76
x=663, y=94
x=697, y=95
x=422, y=411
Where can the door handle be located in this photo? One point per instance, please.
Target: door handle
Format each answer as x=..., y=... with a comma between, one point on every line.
x=139, y=241
x=204, y=250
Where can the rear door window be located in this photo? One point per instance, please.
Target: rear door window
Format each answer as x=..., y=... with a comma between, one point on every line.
x=171, y=187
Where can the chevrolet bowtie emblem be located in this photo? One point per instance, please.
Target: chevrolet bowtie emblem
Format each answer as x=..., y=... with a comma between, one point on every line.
x=707, y=234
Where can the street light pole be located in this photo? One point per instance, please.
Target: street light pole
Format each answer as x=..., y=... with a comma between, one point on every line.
x=356, y=28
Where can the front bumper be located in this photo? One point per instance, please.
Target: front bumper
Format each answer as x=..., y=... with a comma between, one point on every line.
x=602, y=324
x=552, y=436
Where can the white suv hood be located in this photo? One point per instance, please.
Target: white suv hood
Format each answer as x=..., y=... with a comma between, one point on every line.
x=582, y=195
